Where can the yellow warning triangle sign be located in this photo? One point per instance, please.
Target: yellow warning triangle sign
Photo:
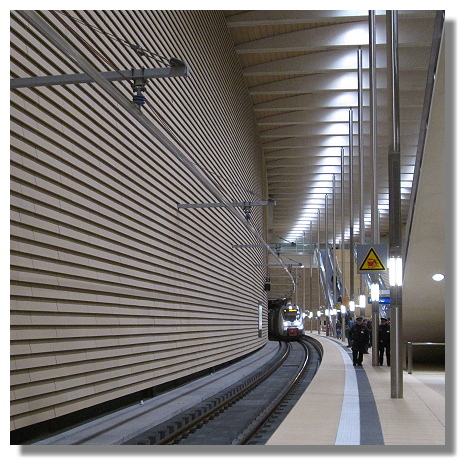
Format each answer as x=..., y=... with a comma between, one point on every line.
x=372, y=262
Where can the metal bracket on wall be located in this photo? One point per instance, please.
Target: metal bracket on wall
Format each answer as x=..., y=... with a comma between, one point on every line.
x=277, y=246
x=246, y=206
x=69, y=79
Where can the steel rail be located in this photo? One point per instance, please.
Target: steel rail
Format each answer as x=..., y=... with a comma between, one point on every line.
x=260, y=421
x=168, y=440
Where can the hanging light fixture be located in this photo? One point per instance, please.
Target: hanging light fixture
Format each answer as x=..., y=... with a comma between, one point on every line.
x=395, y=271
x=362, y=301
x=375, y=292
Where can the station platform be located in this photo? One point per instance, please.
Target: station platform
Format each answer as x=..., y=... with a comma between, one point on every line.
x=348, y=405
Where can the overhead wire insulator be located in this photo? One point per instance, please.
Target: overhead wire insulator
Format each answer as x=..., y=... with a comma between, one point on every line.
x=138, y=99
x=138, y=87
x=247, y=210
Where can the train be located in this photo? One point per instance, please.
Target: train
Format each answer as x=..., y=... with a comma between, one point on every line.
x=286, y=322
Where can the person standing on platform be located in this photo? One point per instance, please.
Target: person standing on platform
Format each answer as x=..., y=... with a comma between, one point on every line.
x=349, y=325
x=368, y=324
x=338, y=329
x=359, y=335
x=384, y=341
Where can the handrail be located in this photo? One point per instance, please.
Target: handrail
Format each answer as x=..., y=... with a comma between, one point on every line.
x=409, y=352
x=340, y=278
x=334, y=268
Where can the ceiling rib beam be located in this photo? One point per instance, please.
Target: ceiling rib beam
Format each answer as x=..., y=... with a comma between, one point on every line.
x=339, y=35
x=313, y=152
x=326, y=141
x=289, y=17
x=334, y=99
x=413, y=32
x=307, y=162
x=281, y=17
x=325, y=115
x=337, y=81
x=343, y=59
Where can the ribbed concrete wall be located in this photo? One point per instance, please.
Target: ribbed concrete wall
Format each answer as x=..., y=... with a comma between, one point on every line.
x=113, y=289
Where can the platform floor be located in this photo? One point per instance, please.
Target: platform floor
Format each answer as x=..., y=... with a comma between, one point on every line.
x=319, y=417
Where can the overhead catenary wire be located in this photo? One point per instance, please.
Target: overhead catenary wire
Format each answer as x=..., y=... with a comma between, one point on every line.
x=156, y=114
x=211, y=174
x=142, y=52
x=45, y=29
x=87, y=45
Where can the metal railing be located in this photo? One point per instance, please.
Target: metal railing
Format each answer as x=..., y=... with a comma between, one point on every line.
x=409, y=353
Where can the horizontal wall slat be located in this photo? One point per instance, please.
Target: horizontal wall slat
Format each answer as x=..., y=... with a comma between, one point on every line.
x=113, y=289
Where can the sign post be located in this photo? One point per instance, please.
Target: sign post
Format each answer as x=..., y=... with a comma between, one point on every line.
x=372, y=259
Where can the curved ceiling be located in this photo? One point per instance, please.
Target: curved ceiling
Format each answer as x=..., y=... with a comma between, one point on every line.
x=300, y=68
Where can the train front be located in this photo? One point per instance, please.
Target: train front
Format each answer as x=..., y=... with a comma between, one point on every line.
x=292, y=321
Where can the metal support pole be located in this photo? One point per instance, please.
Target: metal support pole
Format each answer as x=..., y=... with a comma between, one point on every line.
x=343, y=328
x=351, y=208
x=328, y=302
x=311, y=272
x=343, y=281
x=335, y=292
x=303, y=290
x=394, y=178
x=318, y=256
x=375, y=327
x=373, y=121
x=373, y=150
x=409, y=357
x=360, y=126
x=342, y=228
x=360, y=121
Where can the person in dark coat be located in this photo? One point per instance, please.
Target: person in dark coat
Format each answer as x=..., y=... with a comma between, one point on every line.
x=384, y=341
x=359, y=335
x=369, y=327
x=349, y=324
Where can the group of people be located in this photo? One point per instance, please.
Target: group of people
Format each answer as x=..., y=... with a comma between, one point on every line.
x=360, y=339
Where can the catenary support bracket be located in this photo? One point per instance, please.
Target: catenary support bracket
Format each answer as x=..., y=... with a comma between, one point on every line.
x=75, y=78
x=247, y=204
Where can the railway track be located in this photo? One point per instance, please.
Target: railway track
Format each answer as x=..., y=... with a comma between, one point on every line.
x=246, y=413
